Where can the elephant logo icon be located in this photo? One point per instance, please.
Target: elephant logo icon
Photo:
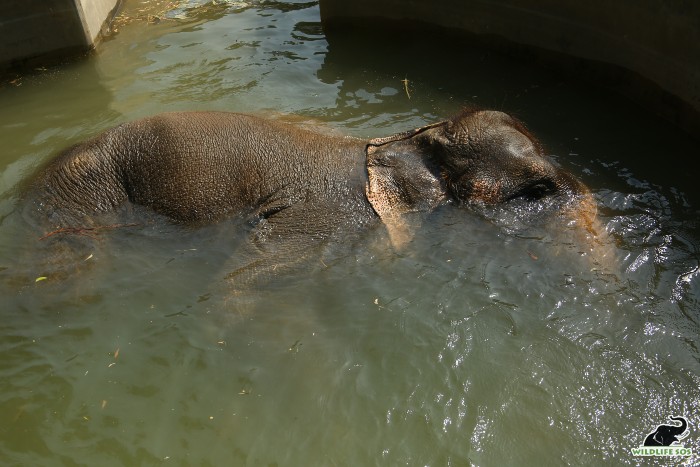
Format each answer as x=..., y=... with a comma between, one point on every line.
x=666, y=435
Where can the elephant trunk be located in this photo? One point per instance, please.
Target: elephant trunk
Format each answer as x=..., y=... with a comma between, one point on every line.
x=684, y=424
x=590, y=233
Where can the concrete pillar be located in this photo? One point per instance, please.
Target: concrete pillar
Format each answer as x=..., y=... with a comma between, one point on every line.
x=659, y=40
x=50, y=28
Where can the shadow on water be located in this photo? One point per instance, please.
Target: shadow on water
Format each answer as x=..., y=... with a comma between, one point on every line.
x=477, y=344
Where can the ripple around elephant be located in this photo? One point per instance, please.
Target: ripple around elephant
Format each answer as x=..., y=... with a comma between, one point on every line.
x=298, y=187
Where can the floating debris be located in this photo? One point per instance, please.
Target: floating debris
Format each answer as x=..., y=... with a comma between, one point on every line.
x=405, y=87
x=295, y=346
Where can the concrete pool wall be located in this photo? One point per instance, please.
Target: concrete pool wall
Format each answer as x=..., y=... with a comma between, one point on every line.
x=39, y=30
x=647, y=49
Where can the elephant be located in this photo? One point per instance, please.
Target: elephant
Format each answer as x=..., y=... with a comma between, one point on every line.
x=665, y=435
x=295, y=186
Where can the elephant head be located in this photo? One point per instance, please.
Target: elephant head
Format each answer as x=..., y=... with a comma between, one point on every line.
x=478, y=157
x=665, y=435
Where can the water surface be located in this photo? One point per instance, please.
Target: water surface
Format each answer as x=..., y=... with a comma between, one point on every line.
x=478, y=344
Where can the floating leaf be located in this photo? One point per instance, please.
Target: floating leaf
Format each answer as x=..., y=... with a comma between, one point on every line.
x=41, y=278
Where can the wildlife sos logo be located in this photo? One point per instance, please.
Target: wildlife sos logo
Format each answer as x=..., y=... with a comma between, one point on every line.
x=665, y=440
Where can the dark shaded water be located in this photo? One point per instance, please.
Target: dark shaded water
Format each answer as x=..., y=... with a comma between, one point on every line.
x=478, y=344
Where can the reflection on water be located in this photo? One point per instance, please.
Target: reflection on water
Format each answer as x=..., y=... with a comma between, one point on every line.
x=475, y=344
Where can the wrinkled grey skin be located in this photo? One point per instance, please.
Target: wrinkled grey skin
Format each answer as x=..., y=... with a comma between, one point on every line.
x=296, y=186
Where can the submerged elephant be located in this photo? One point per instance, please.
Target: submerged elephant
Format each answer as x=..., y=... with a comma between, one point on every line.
x=297, y=186
x=665, y=435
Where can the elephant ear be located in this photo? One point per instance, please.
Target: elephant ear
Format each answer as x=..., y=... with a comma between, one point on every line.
x=376, y=142
x=396, y=184
x=383, y=195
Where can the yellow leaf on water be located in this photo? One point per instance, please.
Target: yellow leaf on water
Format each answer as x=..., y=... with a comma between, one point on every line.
x=42, y=278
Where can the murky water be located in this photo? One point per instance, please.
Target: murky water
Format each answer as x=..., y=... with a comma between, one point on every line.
x=478, y=344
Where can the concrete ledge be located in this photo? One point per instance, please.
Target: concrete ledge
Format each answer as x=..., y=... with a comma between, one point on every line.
x=32, y=29
x=657, y=41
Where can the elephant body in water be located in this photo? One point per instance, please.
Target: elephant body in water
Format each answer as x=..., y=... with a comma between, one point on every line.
x=296, y=186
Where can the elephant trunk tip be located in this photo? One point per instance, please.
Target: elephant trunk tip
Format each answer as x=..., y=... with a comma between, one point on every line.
x=684, y=422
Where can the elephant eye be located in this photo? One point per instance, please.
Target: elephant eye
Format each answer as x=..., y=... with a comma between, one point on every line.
x=535, y=191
